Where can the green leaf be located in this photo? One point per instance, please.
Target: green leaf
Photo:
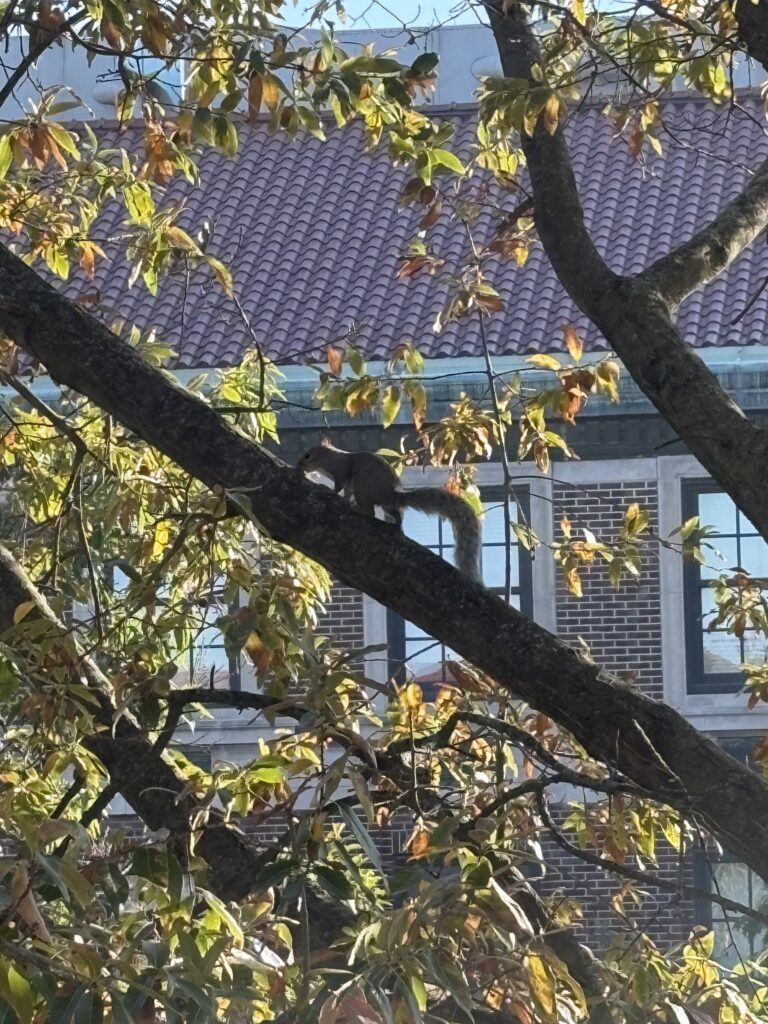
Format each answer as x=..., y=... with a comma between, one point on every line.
x=6, y=155
x=81, y=1006
x=425, y=64
x=17, y=992
x=334, y=882
x=355, y=360
x=444, y=158
x=414, y=360
x=361, y=834
x=224, y=915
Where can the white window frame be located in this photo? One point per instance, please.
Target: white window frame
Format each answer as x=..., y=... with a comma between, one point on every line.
x=715, y=712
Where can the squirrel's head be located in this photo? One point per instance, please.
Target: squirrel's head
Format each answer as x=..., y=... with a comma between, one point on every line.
x=307, y=463
x=311, y=460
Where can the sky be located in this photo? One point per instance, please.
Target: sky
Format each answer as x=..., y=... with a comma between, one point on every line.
x=362, y=13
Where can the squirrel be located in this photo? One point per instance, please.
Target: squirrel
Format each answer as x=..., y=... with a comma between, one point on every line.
x=374, y=484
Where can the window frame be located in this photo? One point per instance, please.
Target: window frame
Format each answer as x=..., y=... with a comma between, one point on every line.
x=697, y=681
x=489, y=494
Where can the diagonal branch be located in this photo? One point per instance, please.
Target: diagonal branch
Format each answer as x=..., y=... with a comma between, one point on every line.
x=648, y=742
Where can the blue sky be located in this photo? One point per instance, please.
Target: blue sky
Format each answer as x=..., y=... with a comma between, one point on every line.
x=368, y=12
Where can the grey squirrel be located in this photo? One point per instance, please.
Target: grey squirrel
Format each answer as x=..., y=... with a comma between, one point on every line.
x=373, y=483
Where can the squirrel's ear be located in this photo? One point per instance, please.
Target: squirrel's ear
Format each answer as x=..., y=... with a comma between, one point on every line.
x=326, y=442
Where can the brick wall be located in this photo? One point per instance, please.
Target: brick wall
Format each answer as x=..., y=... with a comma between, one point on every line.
x=343, y=618
x=622, y=627
x=623, y=630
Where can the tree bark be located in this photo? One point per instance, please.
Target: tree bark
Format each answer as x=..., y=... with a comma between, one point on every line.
x=649, y=742
x=634, y=314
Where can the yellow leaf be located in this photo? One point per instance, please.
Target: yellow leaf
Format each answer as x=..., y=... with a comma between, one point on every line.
x=160, y=542
x=565, y=525
x=545, y=361
x=412, y=696
x=573, y=342
x=551, y=113
x=573, y=582
x=22, y=611
x=608, y=378
x=270, y=91
x=542, y=986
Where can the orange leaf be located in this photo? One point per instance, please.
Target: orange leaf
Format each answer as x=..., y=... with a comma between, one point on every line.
x=573, y=342
x=335, y=359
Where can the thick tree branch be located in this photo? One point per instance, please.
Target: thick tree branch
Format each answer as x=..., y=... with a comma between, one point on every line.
x=648, y=742
x=148, y=781
x=634, y=314
x=708, y=253
x=752, y=19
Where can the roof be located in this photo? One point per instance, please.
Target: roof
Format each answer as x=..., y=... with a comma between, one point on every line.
x=313, y=232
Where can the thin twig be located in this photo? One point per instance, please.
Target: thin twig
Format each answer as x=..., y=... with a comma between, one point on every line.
x=86, y=549
x=638, y=875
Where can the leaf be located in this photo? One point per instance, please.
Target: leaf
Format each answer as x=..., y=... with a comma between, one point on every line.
x=222, y=273
x=255, y=95
x=81, y=1006
x=550, y=113
x=6, y=154
x=270, y=91
x=17, y=992
x=355, y=360
x=335, y=882
x=573, y=342
x=224, y=915
x=335, y=359
x=24, y=902
x=390, y=404
x=542, y=987
x=444, y=158
x=608, y=378
x=22, y=611
x=545, y=361
x=161, y=538
x=361, y=834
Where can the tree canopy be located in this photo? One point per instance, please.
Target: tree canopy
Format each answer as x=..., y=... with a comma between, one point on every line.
x=136, y=510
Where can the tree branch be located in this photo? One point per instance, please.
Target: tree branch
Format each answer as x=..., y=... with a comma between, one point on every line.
x=709, y=252
x=149, y=782
x=646, y=741
x=634, y=314
x=637, y=874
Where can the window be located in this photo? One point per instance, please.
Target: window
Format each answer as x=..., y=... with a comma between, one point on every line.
x=413, y=652
x=713, y=657
x=206, y=663
x=209, y=663
x=736, y=937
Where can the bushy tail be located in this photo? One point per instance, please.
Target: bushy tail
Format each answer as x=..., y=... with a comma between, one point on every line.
x=436, y=501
